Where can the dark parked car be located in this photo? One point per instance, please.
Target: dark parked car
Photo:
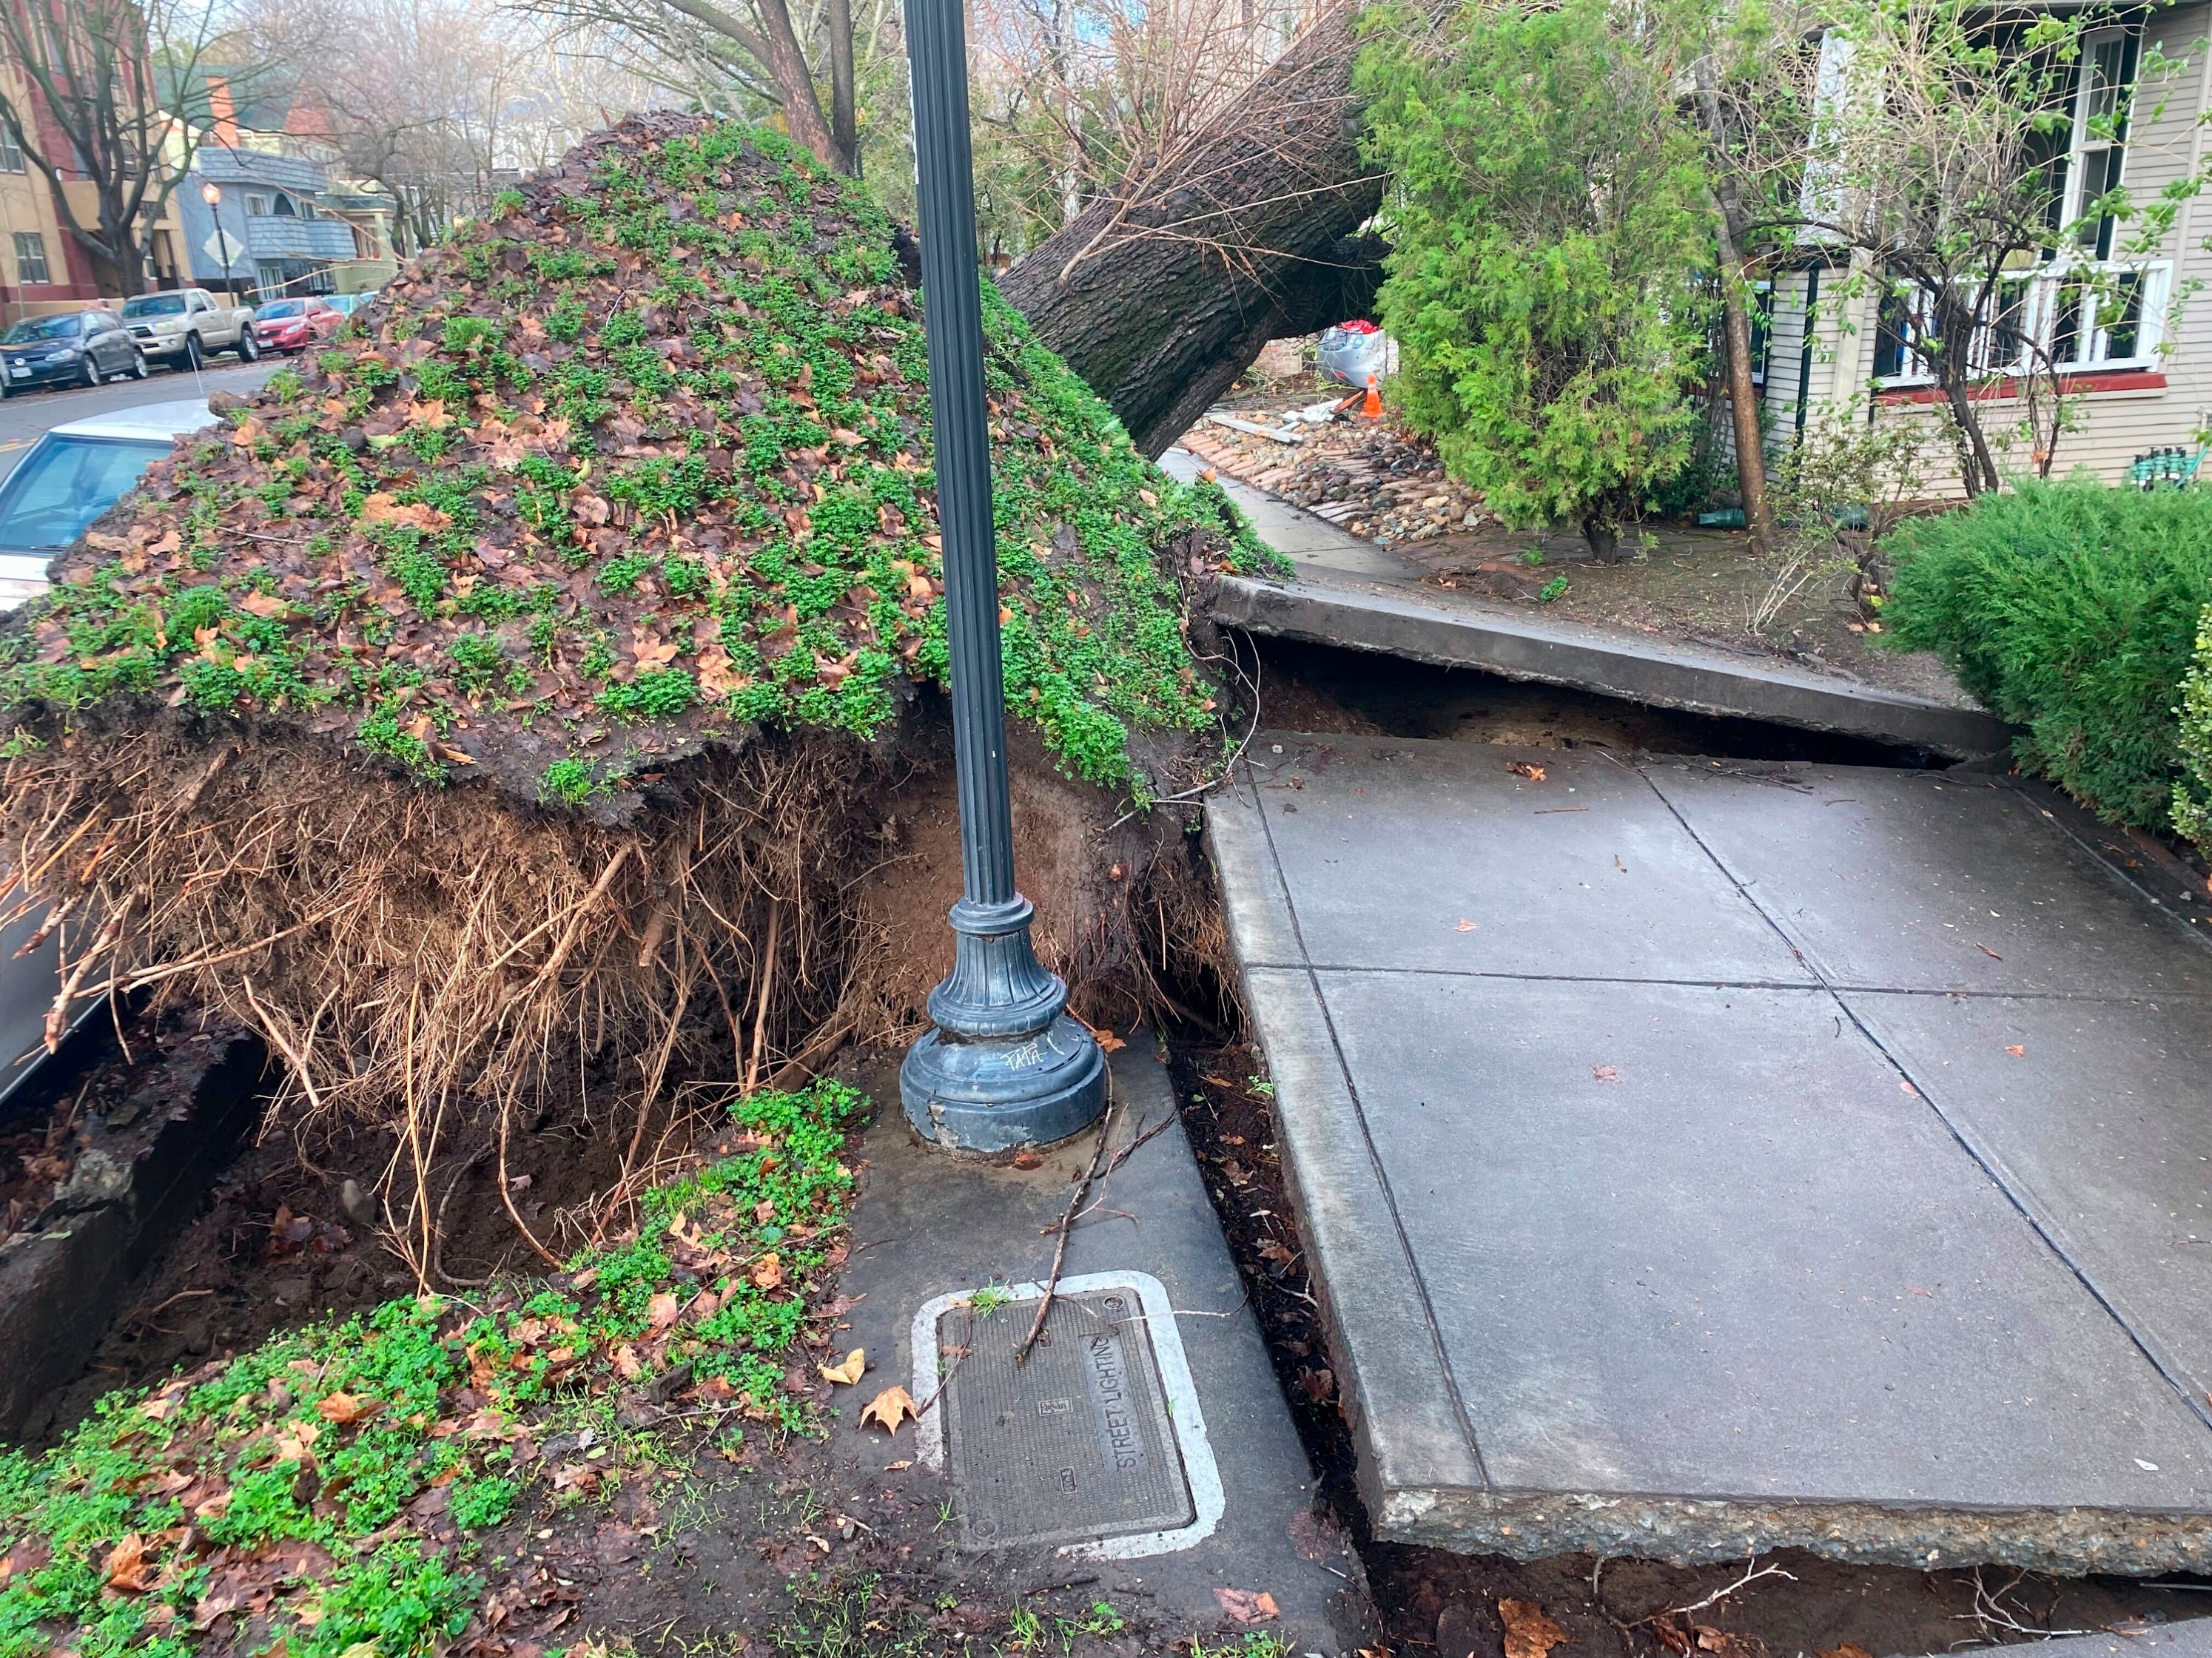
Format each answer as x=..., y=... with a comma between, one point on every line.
x=295, y=324
x=70, y=348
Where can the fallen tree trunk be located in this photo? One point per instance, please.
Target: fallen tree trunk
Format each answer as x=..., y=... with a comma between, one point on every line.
x=1161, y=293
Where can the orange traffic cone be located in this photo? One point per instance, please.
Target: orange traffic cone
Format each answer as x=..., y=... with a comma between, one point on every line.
x=1371, y=406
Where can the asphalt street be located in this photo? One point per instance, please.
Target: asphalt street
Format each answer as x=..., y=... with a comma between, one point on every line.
x=28, y=416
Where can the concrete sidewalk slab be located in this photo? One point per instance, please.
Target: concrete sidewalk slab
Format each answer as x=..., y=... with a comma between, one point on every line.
x=1401, y=619
x=1623, y=887
x=2098, y=1121
x=1929, y=881
x=2182, y=1638
x=1352, y=592
x=1641, y=1231
x=1307, y=540
x=929, y=1225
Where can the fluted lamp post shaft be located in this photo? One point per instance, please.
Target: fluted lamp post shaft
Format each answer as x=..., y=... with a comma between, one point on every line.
x=1005, y=1065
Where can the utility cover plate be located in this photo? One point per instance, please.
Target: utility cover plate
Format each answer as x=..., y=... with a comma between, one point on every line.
x=1074, y=1444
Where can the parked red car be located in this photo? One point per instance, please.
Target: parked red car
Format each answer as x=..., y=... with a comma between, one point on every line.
x=295, y=324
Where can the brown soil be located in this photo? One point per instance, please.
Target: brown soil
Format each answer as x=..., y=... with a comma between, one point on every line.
x=274, y=1246
x=1674, y=580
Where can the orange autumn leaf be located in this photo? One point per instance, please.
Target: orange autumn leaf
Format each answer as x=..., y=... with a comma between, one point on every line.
x=385, y=507
x=1528, y=1632
x=340, y=1408
x=888, y=1408
x=849, y=1371
x=768, y=1271
x=662, y=1310
x=128, y=1568
x=1248, y=1606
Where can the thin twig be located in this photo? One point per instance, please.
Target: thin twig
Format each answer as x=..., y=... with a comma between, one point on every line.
x=1060, y=1251
x=1751, y=1573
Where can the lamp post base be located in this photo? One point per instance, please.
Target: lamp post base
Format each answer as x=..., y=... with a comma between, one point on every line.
x=1001, y=1093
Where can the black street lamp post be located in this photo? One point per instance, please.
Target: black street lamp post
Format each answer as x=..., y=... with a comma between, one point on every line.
x=1006, y=1066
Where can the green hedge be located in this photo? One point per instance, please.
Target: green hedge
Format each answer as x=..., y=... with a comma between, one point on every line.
x=2071, y=611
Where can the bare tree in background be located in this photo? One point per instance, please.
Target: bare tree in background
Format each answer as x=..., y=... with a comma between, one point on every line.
x=774, y=58
x=435, y=100
x=1244, y=228
x=1091, y=97
x=105, y=70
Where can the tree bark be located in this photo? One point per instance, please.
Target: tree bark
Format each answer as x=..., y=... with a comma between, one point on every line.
x=785, y=61
x=1161, y=293
x=1743, y=395
x=1735, y=283
x=844, y=118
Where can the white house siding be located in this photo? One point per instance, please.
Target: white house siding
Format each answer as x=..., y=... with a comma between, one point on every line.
x=2112, y=427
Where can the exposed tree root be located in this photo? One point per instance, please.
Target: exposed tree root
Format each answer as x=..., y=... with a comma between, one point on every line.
x=454, y=966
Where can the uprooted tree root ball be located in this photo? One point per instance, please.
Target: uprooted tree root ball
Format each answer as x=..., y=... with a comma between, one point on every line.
x=533, y=696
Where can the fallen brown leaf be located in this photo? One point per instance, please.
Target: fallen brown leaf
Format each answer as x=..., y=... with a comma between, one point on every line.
x=1528, y=1632
x=888, y=1408
x=661, y=1311
x=1849, y=1650
x=341, y=1408
x=768, y=1271
x=1535, y=774
x=2017, y=1051
x=849, y=1371
x=128, y=1568
x=1248, y=1606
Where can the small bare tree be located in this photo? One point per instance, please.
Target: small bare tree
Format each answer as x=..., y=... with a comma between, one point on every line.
x=115, y=82
x=1928, y=141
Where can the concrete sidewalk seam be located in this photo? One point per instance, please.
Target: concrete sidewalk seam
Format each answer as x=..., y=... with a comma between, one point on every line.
x=1402, y=1447
x=1382, y=1175
x=1985, y=1157
x=1838, y=987
x=2065, y=822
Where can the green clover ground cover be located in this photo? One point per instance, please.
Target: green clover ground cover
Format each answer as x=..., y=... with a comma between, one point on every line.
x=331, y=1489
x=640, y=461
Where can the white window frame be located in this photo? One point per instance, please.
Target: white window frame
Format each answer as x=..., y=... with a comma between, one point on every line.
x=2157, y=278
x=34, y=243
x=2081, y=145
x=2047, y=286
x=256, y=206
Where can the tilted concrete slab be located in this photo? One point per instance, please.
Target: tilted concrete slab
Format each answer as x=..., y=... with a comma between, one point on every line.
x=1400, y=620
x=1668, y=1182
x=1356, y=594
x=2182, y=1638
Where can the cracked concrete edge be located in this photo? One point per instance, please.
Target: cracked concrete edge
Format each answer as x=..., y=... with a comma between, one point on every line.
x=1390, y=1380
x=1663, y=676
x=1687, y=1531
x=2180, y=1637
